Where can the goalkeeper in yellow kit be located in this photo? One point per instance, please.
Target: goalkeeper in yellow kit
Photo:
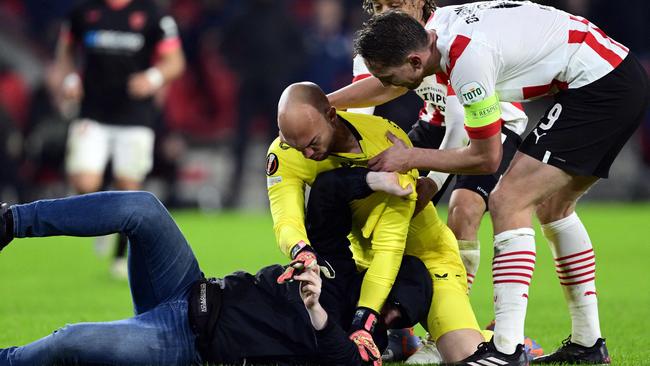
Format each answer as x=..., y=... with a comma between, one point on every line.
x=314, y=138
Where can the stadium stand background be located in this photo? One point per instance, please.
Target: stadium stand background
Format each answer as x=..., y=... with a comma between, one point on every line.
x=237, y=66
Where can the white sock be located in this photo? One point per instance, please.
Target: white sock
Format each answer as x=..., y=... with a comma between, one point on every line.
x=575, y=265
x=512, y=271
x=470, y=253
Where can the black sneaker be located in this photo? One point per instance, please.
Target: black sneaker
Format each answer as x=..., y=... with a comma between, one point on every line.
x=5, y=239
x=487, y=354
x=574, y=353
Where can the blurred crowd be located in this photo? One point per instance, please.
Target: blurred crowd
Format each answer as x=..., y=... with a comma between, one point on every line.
x=240, y=55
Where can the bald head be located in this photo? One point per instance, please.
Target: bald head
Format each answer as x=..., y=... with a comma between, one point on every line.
x=300, y=106
x=304, y=114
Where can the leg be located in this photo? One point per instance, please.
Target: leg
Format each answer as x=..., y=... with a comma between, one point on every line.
x=466, y=209
x=574, y=259
x=525, y=184
x=161, y=336
x=88, y=150
x=86, y=182
x=161, y=263
x=451, y=320
x=132, y=153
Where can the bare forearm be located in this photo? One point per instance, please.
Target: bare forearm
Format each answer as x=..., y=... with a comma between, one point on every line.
x=171, y=65
x=368, y=92
x=318, y=316
x=457, y=161
x=64, y=64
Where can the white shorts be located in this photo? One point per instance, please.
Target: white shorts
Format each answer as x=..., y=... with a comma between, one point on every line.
x=91, y=144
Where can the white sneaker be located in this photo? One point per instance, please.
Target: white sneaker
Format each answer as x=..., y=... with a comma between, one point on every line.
x=120, y=269
x=428, y=354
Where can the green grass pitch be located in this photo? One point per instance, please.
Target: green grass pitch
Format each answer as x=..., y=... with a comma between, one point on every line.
x=45, y=283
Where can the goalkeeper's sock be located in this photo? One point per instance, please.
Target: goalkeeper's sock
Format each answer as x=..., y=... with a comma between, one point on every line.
x=512, y=271
x=470, y=253
x=575, y=265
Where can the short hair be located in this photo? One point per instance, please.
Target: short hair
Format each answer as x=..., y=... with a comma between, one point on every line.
x=427, y=9
x=386, y=39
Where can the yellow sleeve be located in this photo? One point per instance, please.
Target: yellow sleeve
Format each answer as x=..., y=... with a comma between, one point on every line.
x=388, y=240
x=285, y=174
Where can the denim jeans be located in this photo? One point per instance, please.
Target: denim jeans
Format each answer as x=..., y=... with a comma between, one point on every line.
x=162, y=268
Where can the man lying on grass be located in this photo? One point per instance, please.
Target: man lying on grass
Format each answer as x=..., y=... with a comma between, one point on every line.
x=181, y=318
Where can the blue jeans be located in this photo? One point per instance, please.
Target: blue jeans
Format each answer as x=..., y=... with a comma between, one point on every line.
x=162, y=269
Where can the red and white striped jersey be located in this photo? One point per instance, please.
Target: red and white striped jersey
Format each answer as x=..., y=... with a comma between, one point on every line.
x=440, y=101
x=520, y=50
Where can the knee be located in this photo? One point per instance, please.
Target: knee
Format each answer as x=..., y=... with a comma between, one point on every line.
x=553, y=210
x=499, y=202
x=464, y=219
x=140, y=205
x=85, y=183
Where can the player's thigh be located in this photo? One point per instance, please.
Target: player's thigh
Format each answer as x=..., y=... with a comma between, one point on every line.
x=527, y=182
x=132, y=152
x=87, y=148
x=429, y=236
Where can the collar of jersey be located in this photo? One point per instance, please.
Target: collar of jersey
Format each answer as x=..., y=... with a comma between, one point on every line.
x=362, y=143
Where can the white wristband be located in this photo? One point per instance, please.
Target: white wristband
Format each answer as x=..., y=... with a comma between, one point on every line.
x=438, y=178
x=155, y=77
x=72, y=80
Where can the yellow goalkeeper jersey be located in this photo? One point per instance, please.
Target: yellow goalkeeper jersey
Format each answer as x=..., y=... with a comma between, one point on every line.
x=380, y=221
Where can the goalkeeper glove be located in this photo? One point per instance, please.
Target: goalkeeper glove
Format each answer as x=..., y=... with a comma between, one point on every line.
x=363, y=326
x=303, y=257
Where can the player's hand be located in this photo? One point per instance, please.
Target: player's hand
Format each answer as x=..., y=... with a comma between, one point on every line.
x=426, y=189
x=363, y=326
x=393, y=159
x=72, y=88
x=368, y=350
x=310, y=286
x=140, y=87
x=304, y=258
x=387, y=182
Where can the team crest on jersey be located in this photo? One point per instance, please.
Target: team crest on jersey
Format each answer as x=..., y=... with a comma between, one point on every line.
x=137, y=19
x=472, y=92
x=272, y=164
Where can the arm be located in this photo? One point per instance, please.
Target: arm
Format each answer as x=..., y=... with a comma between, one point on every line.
x=333, y=343
x=170, y=62
x=390, y=222
x=66, y=73
x=364, y=93
x=455, y=137
x=481, y=156
x=474, y=83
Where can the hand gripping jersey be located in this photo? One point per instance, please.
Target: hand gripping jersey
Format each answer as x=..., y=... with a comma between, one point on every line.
x=115, y=43
x=516, y=51
x=383, y=228
x=383, y=220
x=441, y=105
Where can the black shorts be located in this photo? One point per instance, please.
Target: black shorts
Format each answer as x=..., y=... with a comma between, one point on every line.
x=429, y=136
x=586, y=128
x=484, y=184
